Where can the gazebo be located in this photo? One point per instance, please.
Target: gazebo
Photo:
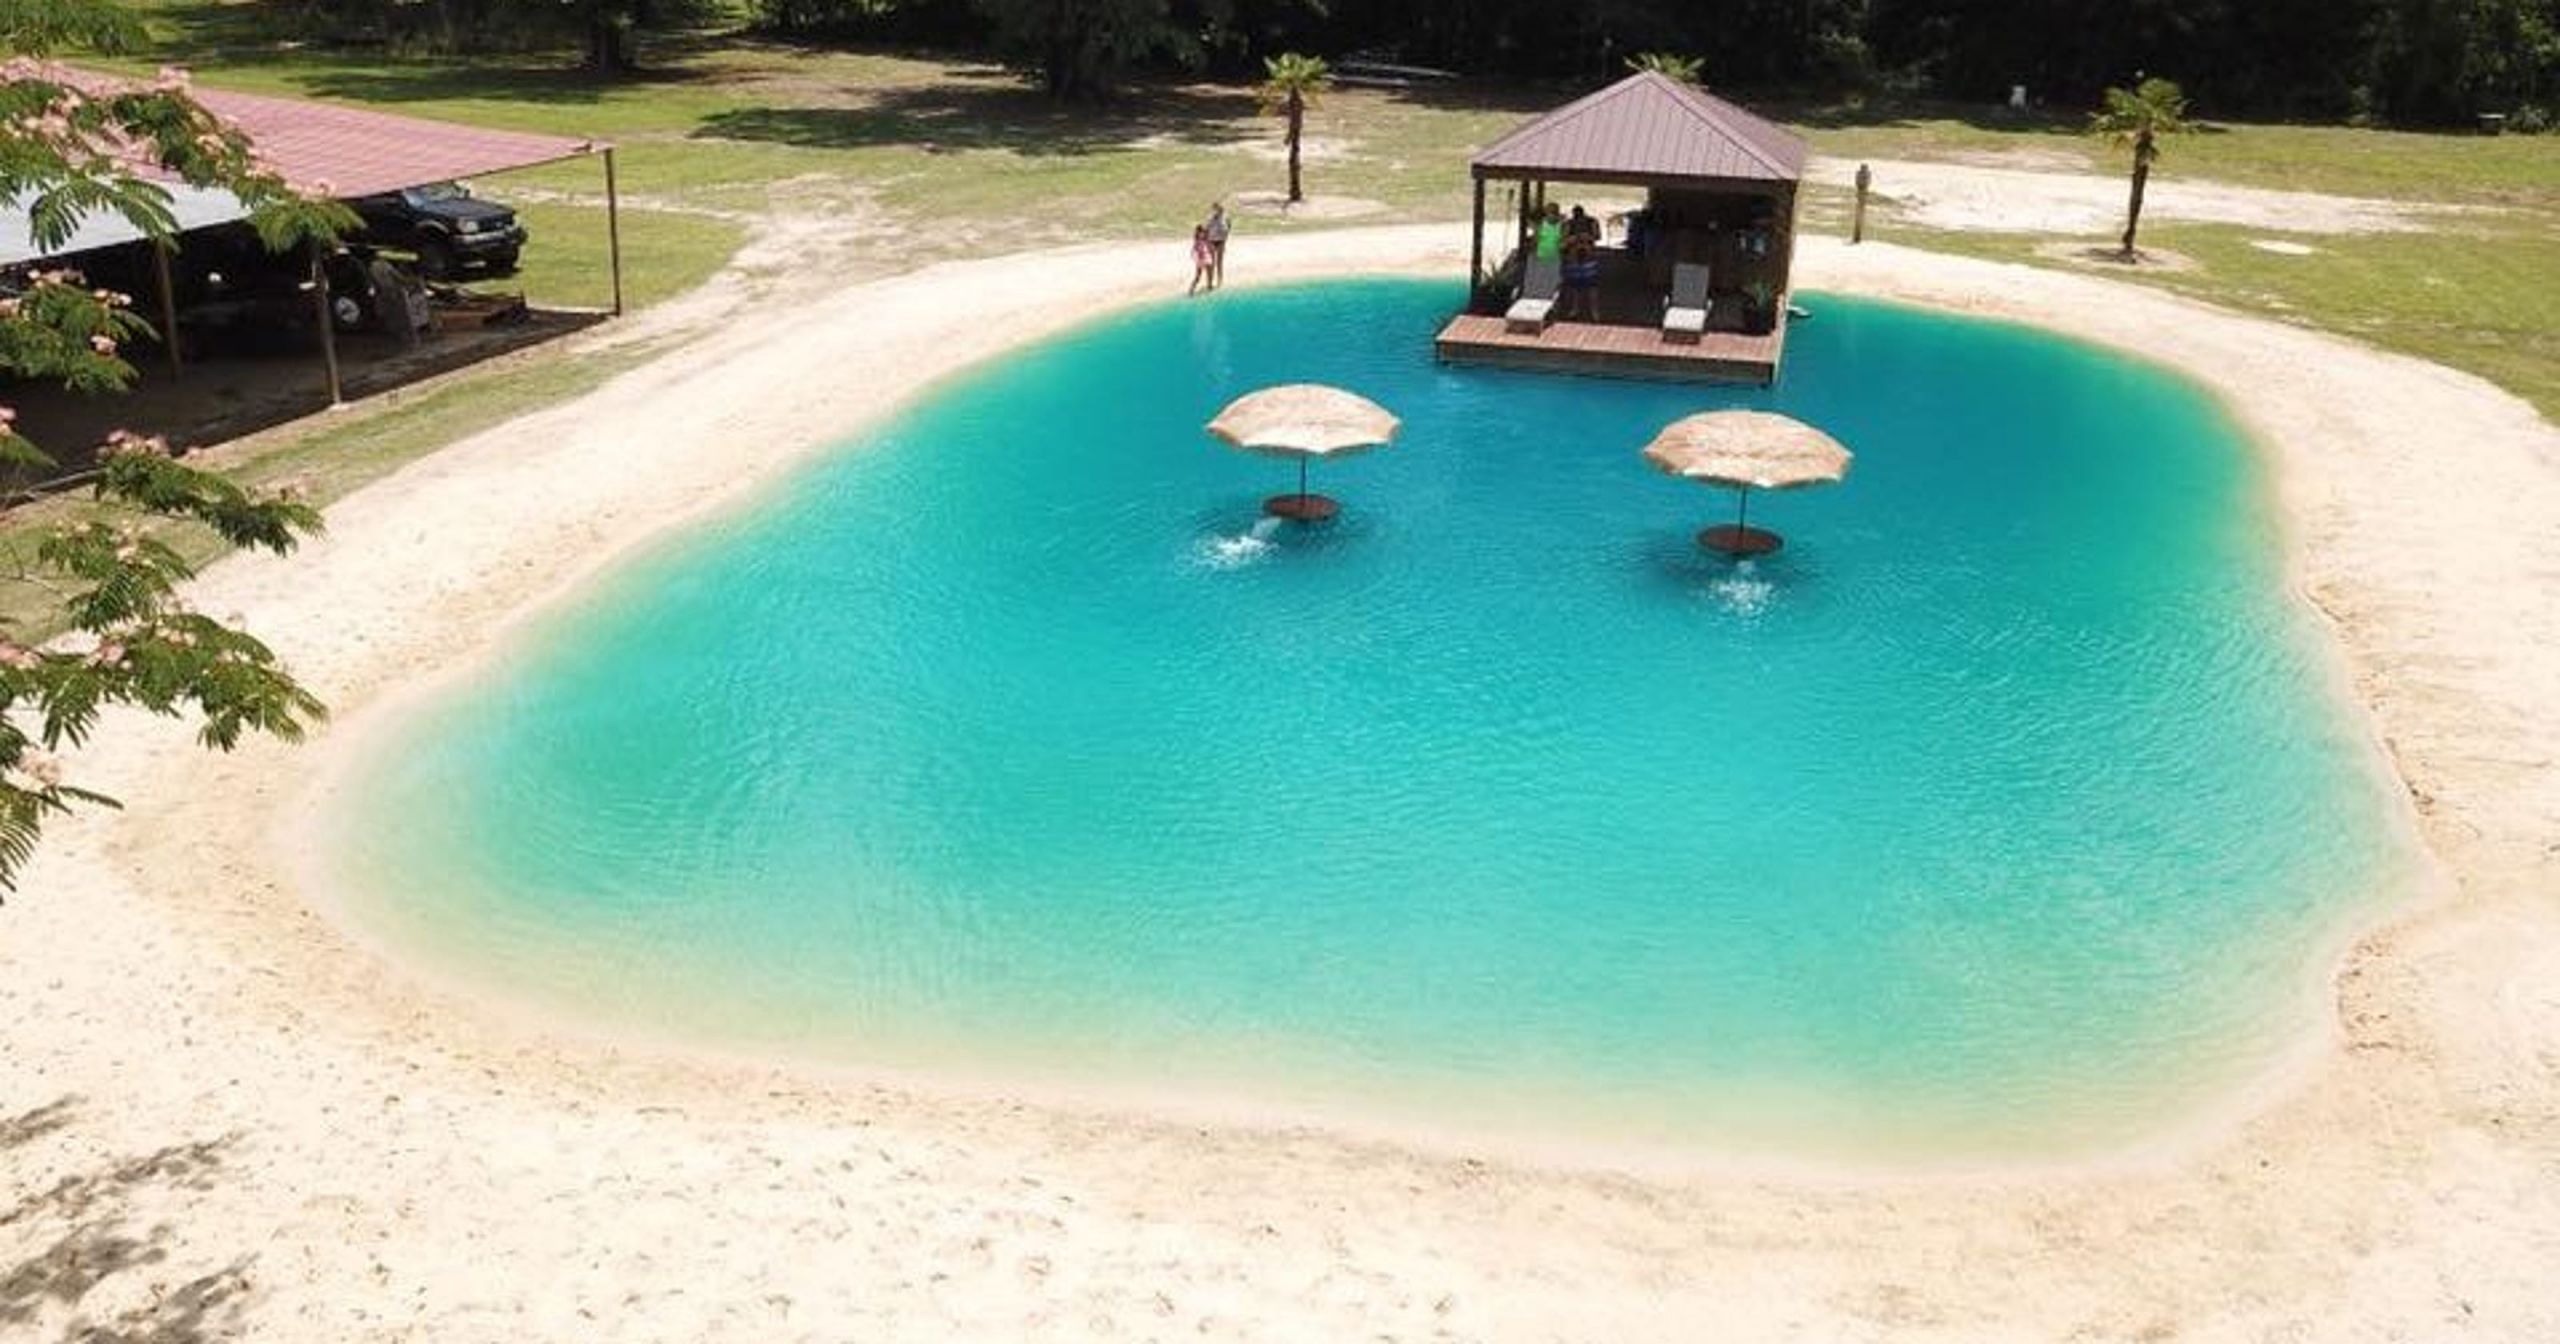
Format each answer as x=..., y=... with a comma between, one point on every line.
x=1715, y=230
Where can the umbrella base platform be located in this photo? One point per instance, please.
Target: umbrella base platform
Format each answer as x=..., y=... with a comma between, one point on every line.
x=1302, y=508
x=1740, y=542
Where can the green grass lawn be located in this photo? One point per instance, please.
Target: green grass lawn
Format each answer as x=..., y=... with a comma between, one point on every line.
x=911, y=160
x=2467, y=301
x=664, y=253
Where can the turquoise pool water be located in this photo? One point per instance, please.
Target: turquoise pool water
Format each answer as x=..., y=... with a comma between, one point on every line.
x=2008, y=810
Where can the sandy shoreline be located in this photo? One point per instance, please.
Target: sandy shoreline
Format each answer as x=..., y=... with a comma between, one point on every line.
x=241, y=1117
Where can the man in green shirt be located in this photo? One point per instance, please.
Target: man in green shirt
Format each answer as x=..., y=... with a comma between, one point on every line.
x=1550, y=242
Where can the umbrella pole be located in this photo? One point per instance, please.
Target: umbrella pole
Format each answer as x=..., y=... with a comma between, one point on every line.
x=1302, y=485
x=1742, y=520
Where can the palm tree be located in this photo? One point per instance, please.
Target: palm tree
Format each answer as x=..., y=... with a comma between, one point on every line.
x=1289, y=87
x=1685, y=69
x=2138, y=117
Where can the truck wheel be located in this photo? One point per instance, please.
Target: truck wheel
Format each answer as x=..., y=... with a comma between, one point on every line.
x=435, y=258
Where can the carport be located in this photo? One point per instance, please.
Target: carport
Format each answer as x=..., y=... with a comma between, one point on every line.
x=346, y=152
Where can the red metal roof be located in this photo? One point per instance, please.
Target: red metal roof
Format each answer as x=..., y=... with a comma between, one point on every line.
x=347, y=151
x=1648, y=127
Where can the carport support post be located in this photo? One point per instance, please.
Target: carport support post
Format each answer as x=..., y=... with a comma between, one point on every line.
x=613, y=229
x=328, y=326
x=168, y=306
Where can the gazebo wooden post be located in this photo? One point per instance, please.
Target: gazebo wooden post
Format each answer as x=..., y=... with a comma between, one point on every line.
x=1527, y=213
x=613, y=229
x=1785, y=243
x=168, y=306
x=1475, y=257
x=328, y=326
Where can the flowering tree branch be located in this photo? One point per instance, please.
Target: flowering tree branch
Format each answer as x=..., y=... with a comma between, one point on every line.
x=73, y=146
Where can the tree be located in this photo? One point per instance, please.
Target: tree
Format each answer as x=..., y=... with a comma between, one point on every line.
x=1290, y=85
x=1079, y=49
x=1685, y=69
x=69, y=144
x=2138, y=117
x=607, y=29
x=606, y=32
x=38, y=27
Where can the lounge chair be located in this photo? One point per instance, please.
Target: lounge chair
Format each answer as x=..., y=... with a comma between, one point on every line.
x=1684, y=314
x=1539, y=284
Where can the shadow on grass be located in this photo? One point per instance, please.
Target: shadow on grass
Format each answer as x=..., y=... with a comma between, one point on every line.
x=371, y=63
x=1479, y=95
x=213, y=28
x=1879, y=113
x=438, y=81
x=1791, y=106
x=997, y=111
x=88, y=1237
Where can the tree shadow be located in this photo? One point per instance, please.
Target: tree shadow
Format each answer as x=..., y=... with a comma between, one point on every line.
x=998, y=111
x=26, y=1127
x=201, y=28
x=320, y=55
x=1794, y=108
x=1884, y=113
x=94, y=1239
x=1519, y=98
x=438, y=81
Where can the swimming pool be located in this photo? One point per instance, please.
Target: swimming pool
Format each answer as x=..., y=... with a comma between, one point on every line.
x=2009, y=809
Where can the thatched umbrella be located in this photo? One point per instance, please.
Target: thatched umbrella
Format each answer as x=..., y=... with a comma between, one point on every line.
x=1303, y=420
x=1747, y=451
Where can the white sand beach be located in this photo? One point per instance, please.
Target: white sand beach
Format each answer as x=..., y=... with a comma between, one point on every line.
x=221, y=1116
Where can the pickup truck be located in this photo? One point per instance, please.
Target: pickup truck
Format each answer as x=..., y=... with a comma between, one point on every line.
x=446, y=226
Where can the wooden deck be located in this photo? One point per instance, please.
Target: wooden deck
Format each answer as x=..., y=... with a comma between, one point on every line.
x=1615, y=350
x=1626, y=341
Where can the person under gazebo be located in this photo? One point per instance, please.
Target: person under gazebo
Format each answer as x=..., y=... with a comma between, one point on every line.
x=1581, y=277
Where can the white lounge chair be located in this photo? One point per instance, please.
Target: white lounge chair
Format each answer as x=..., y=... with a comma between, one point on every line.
x=1539, y=284
x=1684, y=315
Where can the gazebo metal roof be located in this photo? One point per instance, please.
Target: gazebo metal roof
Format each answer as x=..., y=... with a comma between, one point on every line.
x=1647, y=128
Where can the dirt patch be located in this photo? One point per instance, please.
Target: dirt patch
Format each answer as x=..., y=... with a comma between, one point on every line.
x=2023, y=160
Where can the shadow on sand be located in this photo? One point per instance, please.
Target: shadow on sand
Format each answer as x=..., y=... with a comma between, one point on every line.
x=82, y=1233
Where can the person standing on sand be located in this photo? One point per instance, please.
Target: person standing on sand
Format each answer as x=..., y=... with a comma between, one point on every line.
x=1215, y=230
x=1202, y=259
